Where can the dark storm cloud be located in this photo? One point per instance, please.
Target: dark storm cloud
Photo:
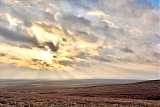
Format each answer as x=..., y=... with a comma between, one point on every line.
x=101, y=58
x=88, y=37
x=67, y=63
x=71, y=63
x=82, y=55
x=53, y=47
x=127, y=50
x=17, y=37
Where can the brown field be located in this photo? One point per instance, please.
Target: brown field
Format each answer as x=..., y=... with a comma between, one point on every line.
x=34, y=94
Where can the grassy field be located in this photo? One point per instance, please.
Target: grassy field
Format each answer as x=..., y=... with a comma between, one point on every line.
x=33, y=94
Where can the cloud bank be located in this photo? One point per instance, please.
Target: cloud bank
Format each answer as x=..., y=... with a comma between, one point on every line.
x=98, y=39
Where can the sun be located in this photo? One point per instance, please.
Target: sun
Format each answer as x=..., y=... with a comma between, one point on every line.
x=47, y=56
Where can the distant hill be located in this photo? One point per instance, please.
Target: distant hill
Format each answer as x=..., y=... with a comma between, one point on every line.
x=149, y=90
x=67, y=83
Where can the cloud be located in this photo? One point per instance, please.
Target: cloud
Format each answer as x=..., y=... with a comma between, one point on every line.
x=24, y=15
x=88, y=37
x=127, y=50
x=100, y=58
x=14, y=36
x=80, y=34
x=49, y=16
x=96, y=13
x=52, y=46
x=73, y=22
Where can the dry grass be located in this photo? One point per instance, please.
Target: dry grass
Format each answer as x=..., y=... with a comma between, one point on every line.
x=143, y=94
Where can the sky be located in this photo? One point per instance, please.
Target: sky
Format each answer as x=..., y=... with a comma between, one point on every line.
x=79, y=39
x=154, y=3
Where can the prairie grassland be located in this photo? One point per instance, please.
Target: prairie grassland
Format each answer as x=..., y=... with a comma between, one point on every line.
x=140, y=94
